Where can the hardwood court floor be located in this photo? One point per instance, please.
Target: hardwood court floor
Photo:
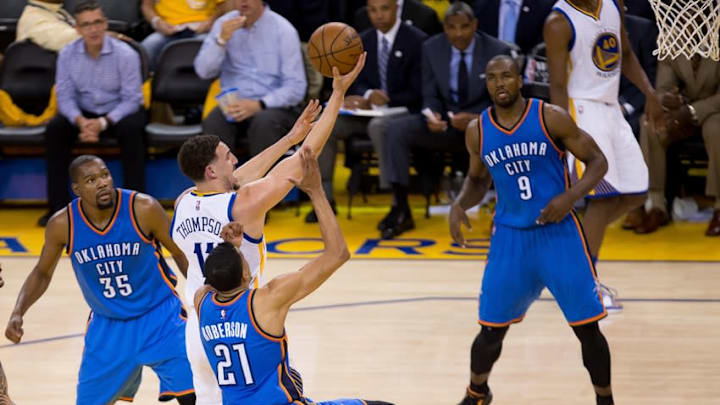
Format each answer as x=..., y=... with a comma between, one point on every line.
x=400, y=331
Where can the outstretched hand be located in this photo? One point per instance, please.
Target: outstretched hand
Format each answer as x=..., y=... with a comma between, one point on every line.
x=304, y=123
x=311, y=180
x=232, y=233
x=342, y=82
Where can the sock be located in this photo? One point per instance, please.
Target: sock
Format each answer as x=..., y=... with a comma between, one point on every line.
x=479, y=388
x=400, y=194
x=604, y=400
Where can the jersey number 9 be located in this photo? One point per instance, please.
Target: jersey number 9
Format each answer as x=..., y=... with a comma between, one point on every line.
x=525, y=189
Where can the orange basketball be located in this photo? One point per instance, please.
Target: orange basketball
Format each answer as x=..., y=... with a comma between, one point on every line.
x=334, y=44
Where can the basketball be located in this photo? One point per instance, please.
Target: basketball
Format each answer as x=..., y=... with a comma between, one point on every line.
x=334, y=44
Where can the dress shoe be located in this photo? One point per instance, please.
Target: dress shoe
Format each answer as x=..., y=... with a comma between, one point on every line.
x=389, y=218
x=634, y=218
x=714, y=225
x=653, y=220
x=311, y=217
x=401, y=223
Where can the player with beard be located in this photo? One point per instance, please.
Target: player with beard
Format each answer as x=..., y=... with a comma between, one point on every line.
x=113, y=238
x=537, y=240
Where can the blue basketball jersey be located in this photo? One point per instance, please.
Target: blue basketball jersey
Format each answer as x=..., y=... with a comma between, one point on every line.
x=527, y=166
x=121, y=272
x=251, y=366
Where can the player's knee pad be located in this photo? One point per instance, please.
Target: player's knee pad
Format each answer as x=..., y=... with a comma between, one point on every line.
x=486, y=348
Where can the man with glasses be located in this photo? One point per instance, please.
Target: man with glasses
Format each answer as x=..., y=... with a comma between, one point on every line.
x=99, y=95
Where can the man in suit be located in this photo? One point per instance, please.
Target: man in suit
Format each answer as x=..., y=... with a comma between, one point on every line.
x=391, y=77
x=643, y=34
x=413, y=12
x=516, y=21
x=453, y=94
x=690, y=90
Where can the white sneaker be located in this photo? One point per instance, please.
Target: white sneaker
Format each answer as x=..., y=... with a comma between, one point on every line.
x=609, y=298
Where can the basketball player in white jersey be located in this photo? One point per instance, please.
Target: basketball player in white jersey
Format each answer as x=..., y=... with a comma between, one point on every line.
x=587, y=50
x=223, y=194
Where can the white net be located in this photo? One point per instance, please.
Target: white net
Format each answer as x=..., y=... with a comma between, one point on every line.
x=687, y=28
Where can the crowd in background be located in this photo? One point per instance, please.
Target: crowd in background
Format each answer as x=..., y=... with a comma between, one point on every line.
x=427, y=56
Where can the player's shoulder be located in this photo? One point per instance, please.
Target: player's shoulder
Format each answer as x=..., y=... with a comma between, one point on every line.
x=144, y=204
x=57, y=225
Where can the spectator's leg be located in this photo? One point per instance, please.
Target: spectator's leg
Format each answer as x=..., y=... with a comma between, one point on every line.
x=130, y=133
x=377, y=128
x=344, y=127
x=216, y=124
x=60, y=136
x=656, y=159
x=710, y=130
x=267, y=126
x=153, y=44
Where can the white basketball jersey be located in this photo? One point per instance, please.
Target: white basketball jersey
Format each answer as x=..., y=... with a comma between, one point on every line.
x=595, y=61
x=195, y=228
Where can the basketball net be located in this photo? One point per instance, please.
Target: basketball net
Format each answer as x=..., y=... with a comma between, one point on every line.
x=687, y=28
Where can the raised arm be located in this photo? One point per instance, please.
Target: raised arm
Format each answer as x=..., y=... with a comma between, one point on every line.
x=39, y=278
x=155, y=224
x=256, y=167
x=558, y=35
x=257, y=198
x=563, y=129
x=474, y=187
x=274, y=299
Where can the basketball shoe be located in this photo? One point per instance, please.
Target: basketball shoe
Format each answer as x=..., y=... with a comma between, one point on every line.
x=474, y=398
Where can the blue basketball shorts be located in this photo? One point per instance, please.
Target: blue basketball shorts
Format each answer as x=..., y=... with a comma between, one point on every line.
x=117, y=349
x=339, y=402
x=522, y=262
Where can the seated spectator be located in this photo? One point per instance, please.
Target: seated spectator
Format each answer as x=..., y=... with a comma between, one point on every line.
x=453, y=94
x=516, y=21
x=46, y=24
x=643, y=35
x=413, y=12
x=391, y=78
x=177, y=19
x=306, y=16
x=256, y=53
x=690, y=90
x=99, y=95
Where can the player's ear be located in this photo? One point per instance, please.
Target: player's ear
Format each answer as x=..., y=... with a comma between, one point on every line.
x=76, y=188
x=209, y=172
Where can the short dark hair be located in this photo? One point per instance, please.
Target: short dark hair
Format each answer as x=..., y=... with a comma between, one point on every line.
x=86, y=5
x=506, y=58
x=195, y=154
x=223, y=267
x=459, y=8
x=79, y=162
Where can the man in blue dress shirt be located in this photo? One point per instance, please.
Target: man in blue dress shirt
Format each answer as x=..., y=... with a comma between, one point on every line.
x=99, y=94
x=256, y=53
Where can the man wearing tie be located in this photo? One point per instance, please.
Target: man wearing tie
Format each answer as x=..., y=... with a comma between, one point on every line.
x=453, y=86
x=501, y=19
x=391, y=78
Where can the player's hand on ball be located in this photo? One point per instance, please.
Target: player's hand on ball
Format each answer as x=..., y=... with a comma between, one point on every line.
x=304, y=123
x=556, y=209
x=457, y=218
x=230, y=26
x=311, y=181
x=14, y=330
x=342, y=82
x=232, y=233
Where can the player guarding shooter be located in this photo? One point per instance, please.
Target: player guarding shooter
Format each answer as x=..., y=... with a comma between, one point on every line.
x=201, y=213
x=137, y=319
x=243, y=329
x=520, y=145
x=587, y=48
